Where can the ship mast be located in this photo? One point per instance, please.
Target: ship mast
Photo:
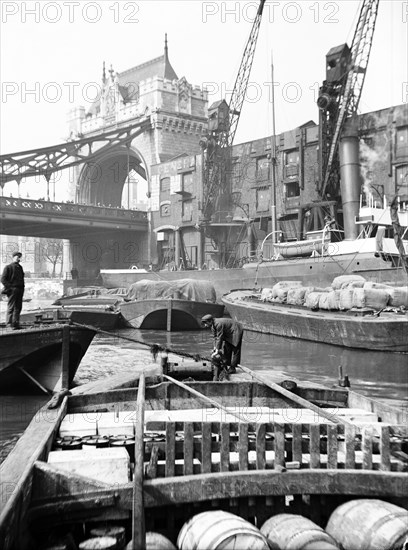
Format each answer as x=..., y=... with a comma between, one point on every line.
x=273, y=161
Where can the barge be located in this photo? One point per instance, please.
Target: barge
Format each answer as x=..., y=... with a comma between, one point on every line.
x=141, y=461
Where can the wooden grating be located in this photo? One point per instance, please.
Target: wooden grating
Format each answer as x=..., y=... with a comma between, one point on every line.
x=187, y=448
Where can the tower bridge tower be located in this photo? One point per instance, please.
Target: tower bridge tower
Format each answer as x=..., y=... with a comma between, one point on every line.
x=178, y=115
x=177, y=112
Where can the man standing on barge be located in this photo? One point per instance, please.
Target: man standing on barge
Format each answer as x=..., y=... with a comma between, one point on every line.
x=227, y=340
x=13, y=282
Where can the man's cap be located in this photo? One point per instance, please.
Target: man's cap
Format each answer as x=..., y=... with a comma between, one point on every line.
x=19, y=254
x=207, y=318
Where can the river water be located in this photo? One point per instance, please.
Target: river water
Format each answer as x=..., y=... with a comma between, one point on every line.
x=383, y=376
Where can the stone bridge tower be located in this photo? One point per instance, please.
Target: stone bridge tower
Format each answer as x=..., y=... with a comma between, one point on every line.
x=178, y=116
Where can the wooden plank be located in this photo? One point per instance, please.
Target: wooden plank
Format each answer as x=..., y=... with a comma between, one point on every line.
x=261, y=415
x=243, y=447
x=314, y=445
x=206, y=442
x=279, y=431
x=260, y=446
x=367, y=447
x=332, y=447
x=224, y=449
x=350, y=437
x=385, y=449
x=138, y=520
x=188, y=448
x=170, y=449
x=387, y=413
x=258, y=483
x=50, y=482
x=297, y=443
x=16, y=470
x=295, y=398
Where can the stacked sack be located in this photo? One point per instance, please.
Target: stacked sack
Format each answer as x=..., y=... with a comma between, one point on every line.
x=352, y=291
x=279, y=292
x=346, y=292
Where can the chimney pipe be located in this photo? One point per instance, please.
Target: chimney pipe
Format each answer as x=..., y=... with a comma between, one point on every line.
x=350, y=179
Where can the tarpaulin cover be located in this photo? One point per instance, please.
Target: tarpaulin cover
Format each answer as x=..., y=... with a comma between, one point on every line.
x=182, y=289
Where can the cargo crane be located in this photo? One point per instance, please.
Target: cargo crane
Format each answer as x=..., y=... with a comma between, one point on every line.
x=340, y=94
x=222, y=125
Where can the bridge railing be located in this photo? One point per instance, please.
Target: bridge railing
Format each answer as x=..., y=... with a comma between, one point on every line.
x=68, y=208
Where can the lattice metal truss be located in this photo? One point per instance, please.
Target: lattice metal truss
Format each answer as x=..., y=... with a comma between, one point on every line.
x=241, y=82
x=350, y=94
x=47, y=160
x=216, y=172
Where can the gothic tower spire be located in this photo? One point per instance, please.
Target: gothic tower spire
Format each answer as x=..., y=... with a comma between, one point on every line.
x=166, y=48
x=169, y=72
x=103, y=73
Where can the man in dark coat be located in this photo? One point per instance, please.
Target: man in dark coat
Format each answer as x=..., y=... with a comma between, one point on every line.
x=13, y=282
x=227, y=339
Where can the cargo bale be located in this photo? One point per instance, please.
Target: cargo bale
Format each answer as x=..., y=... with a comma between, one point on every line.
x=370, y=297
x=324, y=301
x=281, y=295
x=284, y=285
x=398, y=296
x=346, y=299
x=341, y=280
x=312, y=300
x=266, y=294
x=353, y=284
x=333, y=300
x=296, y=296
x=310, y=289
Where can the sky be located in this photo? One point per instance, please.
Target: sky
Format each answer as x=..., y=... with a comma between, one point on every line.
x=52, y=54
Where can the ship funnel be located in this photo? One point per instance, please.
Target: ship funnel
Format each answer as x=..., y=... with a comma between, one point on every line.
x=350, y=179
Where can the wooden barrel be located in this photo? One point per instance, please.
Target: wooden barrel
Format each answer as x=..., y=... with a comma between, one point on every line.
x=155, y=541
x=98, y=543
x=293, y=532
x=216, y=530
x=368, y=523
x=115, y=531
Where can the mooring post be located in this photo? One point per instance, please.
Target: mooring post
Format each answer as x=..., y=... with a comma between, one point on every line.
x=65, y=357
x=169, y=308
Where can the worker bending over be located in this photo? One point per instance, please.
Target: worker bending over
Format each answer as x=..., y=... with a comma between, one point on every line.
x=227, y=340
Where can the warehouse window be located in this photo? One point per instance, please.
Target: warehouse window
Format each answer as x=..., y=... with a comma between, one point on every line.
x=263, y=199
x=292, y=189
x=401, y=177
x=164, y=189
x=262, y=168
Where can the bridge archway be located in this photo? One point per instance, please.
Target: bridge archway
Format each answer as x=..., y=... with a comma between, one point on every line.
x=102, y=182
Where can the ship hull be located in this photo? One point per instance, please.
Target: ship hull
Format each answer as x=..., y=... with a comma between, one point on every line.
x=384, y=332
x=319, y=270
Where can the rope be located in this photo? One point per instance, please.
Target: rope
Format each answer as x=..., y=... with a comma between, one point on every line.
x=154, y=348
